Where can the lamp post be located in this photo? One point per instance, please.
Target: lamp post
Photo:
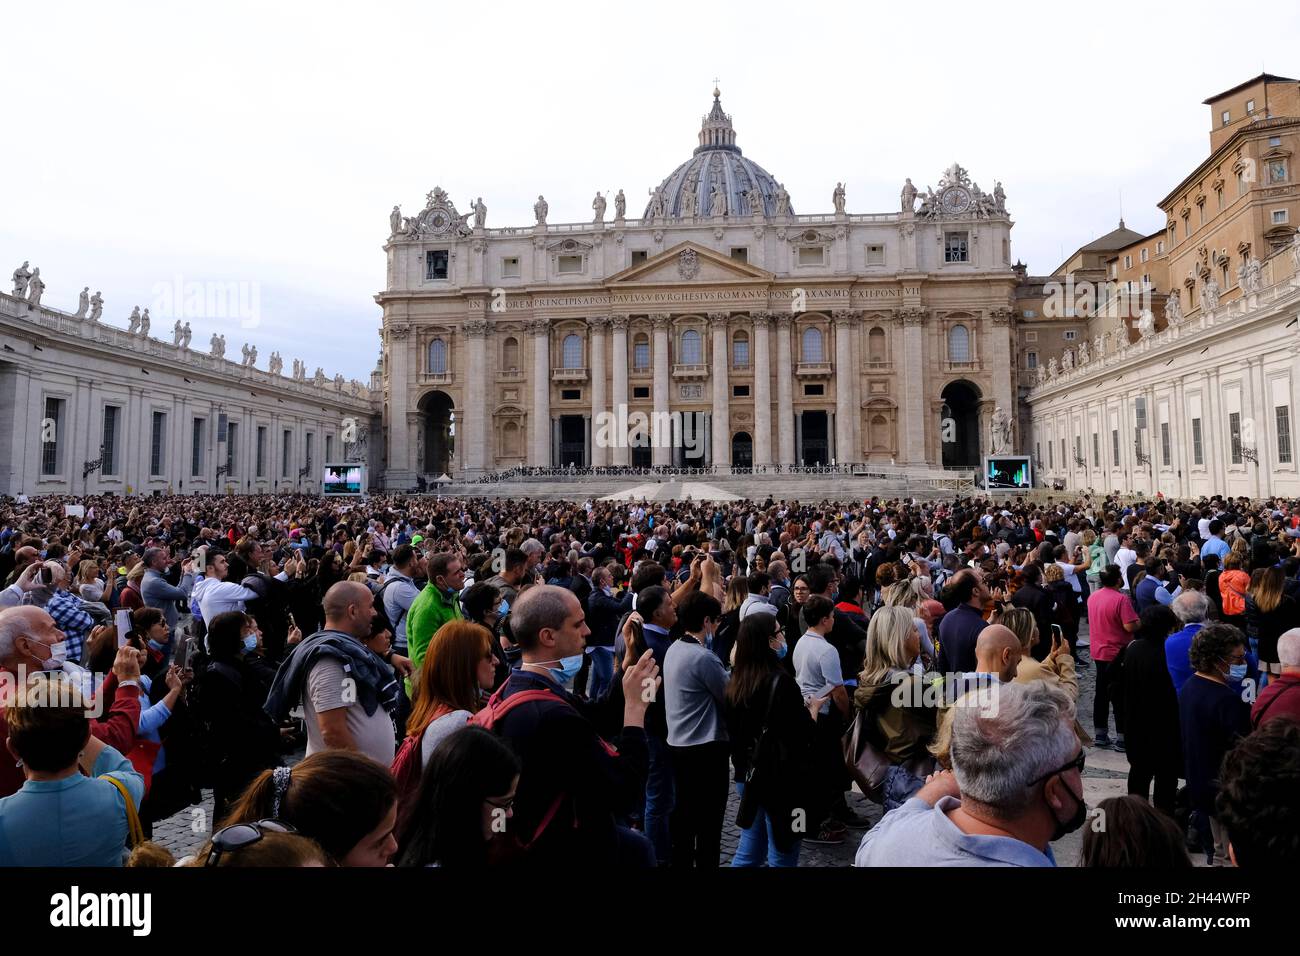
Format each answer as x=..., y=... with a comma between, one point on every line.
x=88, y=467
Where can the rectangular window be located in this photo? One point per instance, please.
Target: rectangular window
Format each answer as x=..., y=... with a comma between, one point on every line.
x=286, y=441
x=261, y=451
x=875, y=255
x=1234, y=436
x=1050, y=457
x=1096, y=450
x=641, y=355
x=329, y=447
x=1218, y=196
x=435, y=262
x=109, y=464
x=568, y=264
x=1038, y=452
x=1226, y=117
x=811, y=255
x=1282, y=415
x=1250, y=106
x=1064, y=463
x=1198, y=455
x=1128, y=262
x=641, y=391
x=1279, y=217
x=956, y=247
x=1140, y=413
x=740, y=253
x=196, y=447
x=311, y=443
x=232, y=442
x=1078, y=449
x=1145, y=254
x=1071, y=335
x=1114, y=447
x=510, y=267
x=1160, y=248
x=1165, y=449
x=571, y=394
x=638, y=256
x=740, y=391
x=813, y=390
x=1031, y=360
x=157, y=443
x=1275, y=141
x=51, y=450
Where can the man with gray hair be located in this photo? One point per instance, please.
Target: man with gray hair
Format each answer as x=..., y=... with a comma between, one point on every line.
x=157, y=592
x=1016, y=785
x=1281, y=696
x=1191, y=607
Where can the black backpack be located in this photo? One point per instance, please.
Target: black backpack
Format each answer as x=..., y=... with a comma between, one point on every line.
x=381, y=612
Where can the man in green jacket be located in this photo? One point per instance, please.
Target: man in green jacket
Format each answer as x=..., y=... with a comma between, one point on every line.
x=437, y=604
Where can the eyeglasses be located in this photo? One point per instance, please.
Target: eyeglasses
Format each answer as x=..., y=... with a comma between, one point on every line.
x=507, y=805
x=1075, y=764
x=240, y=835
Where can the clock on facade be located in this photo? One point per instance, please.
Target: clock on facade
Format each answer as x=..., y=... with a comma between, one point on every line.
x=955, y=200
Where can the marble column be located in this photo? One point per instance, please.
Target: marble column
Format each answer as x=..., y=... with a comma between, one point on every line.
x=720, y=424
x=541, y=411
x=1002, y=371
x=475, y=457
x=845, y=393
x=599, y=450
x=913, y=357
x=621, y=453
x=784, y=390
x=762, y=391
x=661, y=432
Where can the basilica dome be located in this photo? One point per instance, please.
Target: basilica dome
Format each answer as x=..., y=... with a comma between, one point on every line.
x=717, y=163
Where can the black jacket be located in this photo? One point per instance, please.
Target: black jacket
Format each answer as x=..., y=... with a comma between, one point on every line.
x=1042, y=606
x=1150, y=707
x=603, y=614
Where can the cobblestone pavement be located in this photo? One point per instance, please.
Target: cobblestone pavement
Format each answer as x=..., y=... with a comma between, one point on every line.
x=1104, y=776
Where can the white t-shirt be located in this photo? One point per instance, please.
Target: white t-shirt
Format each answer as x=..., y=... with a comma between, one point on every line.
x=1203, y=528
x=817, y=668
x=1125, y=557
x=324, y=690
x=440, y=730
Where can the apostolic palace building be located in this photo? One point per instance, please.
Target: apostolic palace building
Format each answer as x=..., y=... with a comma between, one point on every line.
x=763, y=336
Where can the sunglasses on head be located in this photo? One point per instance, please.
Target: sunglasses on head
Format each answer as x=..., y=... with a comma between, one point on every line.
x=240, y=835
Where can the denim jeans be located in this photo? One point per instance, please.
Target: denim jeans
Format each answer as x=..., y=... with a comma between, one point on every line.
x=758, y=843
x=660, y=797
x=602, y=671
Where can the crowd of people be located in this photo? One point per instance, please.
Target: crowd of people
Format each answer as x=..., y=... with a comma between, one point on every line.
x=466, y=682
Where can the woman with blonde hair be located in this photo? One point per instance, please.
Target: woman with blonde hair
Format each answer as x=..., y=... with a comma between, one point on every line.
x=1270, y=613
x=892, y=697
x=910, y=594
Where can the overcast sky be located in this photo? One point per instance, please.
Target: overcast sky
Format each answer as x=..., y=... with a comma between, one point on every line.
x=264, y=144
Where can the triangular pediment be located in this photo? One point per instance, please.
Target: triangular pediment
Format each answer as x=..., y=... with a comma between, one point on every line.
x=689, y=262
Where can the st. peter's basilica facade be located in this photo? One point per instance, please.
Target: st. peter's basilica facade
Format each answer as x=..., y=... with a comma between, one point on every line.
x=765, y=337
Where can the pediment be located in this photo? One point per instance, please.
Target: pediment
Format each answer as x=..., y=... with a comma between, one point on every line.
x=688, y=262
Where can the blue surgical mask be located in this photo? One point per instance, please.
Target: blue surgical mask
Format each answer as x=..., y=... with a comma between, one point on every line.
x=1237, y=672
x=568, y=669
x=250, y=643
x=505, y=607
x=781, y=651
x=156, y=646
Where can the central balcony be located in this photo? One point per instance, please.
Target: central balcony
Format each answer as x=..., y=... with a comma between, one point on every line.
x=813, y=370
x=688, y=373
x=566, y=375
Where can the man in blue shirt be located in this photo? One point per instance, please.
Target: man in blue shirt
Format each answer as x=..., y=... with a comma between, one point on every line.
x=1152, y=590
x=994, y=809
x=1192, y=607
x=1216, y=545
x=960, y=628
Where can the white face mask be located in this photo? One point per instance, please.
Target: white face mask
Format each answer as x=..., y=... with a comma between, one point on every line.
x=58, y=657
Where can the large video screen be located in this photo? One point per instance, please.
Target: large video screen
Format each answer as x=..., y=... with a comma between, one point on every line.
x=1008, y=473
x=345, y=479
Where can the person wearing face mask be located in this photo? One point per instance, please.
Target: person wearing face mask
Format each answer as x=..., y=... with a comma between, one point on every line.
x=348, y=692
x=1015, y=787
x=226, y=703
x=1212, y=717
x=30, y=642
x=604, y=611
x=574, y=788
x=695, y=687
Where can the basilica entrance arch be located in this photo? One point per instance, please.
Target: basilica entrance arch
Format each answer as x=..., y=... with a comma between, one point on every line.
x=438, y=432
x=959, y=425
x=742, y=450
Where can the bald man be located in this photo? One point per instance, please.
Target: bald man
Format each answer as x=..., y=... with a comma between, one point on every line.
x=997, y=651
x=30, y=642
x=348, y=693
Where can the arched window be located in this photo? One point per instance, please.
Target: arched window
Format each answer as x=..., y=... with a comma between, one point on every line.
x=959, y=344
x=510, y=353
x=692, y=348
x=812, y=345
x=641, y=352
x=876, y=344
x=740, y=350
x=571, y=351
x=438, y=357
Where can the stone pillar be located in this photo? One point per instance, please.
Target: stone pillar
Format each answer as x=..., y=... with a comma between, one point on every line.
x=720, y=424
x=784, y=390
x=599, y=405
x=661, y=434
x=401, y=452
x=914, y=395
x=762, y=391
x=846, y=424
x=1261, y=413
x=621, y=453
x=1000, y=345
x=541, y=412
x=475, y=458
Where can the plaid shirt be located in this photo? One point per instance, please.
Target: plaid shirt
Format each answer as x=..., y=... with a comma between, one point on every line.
x=72, y=620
